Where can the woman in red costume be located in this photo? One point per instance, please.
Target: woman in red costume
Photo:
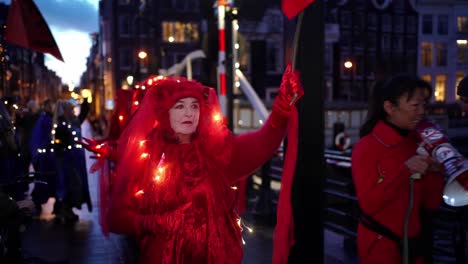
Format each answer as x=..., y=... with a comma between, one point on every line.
x=383, y=161
x=178, y=163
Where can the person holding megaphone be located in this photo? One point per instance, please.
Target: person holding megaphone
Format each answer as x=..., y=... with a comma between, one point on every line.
x=395, y=185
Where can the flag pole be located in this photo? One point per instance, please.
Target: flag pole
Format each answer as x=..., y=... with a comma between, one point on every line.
x=296, y=41
x=295, y=48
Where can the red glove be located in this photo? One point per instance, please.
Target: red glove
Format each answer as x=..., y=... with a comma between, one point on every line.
x=166, y=223
x=289, y=92
x=100, y=147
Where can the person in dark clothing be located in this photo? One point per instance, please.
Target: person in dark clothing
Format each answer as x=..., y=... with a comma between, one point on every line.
x=25, y=122
x=10, y=169
x=9, y=211
x=43, y=158
x=72, y=181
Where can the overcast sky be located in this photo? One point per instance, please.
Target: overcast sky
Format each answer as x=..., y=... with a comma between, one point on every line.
x=71, y=23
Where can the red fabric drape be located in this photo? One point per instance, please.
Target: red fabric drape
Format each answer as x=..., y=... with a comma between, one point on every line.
x=283, y=235
x=27, y=28
x=242, y=193
x=292, y=8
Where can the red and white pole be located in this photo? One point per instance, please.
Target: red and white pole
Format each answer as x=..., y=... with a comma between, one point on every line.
x=222, y=56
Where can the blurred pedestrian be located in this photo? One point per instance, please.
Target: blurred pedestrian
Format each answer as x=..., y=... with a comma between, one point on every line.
x=72, y=180
x=26, y=119
x=383, y=161
x=105, y=150
x=43, y=157
x=9, y=149
x=11, y=161
x=9, y=174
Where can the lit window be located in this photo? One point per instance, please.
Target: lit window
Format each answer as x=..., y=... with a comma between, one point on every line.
x=462, y=53
x=462, y=24
x=440, y=87
x=441, y=54
x=180, y=32
x=426, y=54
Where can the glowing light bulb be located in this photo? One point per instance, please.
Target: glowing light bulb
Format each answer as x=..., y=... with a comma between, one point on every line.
x=216, y=117
x=139, y=193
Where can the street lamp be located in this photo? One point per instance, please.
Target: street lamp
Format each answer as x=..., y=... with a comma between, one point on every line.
x=142, y=54
x=141, y=66
x=348, y=64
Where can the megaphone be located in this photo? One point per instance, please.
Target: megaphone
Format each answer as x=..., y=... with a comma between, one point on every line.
x=455, y=166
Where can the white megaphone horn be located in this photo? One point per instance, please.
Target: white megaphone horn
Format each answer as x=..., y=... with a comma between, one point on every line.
x=455, y=166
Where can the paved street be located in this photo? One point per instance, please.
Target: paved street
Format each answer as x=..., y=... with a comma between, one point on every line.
x=83, y=243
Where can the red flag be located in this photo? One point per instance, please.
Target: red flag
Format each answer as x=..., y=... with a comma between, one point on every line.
x=293, y=7
x=27, y=28
x=283, y=235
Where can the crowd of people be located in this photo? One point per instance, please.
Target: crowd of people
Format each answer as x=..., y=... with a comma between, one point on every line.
x=40, y=159
x=45, y=139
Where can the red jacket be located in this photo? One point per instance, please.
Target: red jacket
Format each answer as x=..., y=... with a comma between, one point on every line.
x=209, y=233
x=381, y=179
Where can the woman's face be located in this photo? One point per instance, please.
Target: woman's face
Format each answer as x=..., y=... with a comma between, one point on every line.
x=409, y=111
x=184, y=116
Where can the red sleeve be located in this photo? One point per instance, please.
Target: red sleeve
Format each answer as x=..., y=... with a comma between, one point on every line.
x=433, y=184
x=122, y=213
x=375, y=187
x=112, y=153
x=250, y=150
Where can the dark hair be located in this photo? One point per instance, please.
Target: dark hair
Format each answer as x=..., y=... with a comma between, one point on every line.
x=390, y=90
x=462, y=88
